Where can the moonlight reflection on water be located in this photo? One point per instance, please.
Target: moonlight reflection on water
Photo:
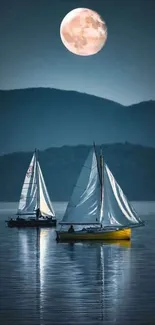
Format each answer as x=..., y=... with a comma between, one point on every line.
x=44, y=282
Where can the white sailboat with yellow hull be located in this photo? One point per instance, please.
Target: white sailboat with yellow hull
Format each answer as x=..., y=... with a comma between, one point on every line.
x=98, y=208
x=35, y=208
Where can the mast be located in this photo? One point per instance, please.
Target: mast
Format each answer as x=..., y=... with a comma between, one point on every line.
x=37, y=179
x=102, y=173
x=101, y=168
x=98, y=166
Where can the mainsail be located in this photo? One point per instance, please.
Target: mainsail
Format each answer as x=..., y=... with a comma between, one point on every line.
x=28, y=199
x=34, y=192
x=117, y=211
x=85, y=204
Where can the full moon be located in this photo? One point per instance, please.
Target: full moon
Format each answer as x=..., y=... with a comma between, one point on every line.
x=83, y=32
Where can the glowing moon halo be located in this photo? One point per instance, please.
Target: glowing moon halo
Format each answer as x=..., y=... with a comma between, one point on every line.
x=83, y=32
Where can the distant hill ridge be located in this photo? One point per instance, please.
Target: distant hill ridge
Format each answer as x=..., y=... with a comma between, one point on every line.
x=132, y=165
x=45, y=117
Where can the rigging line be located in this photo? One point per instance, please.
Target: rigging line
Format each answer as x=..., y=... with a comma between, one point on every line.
x=98, y=167
x=91, y=168
x=85, y=187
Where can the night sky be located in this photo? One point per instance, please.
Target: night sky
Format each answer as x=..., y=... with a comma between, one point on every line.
x=32, y=55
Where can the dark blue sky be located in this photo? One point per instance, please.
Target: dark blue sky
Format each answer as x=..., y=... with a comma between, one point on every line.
x=32, y=55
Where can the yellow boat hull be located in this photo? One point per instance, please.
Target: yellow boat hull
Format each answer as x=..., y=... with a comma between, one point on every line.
x=122, y=234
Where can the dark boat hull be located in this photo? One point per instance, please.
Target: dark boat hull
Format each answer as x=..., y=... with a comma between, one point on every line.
x=31, y=223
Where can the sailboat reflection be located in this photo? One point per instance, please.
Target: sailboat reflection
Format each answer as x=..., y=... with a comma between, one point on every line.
x=78, y=283
x=103, y=277
x=33, y=246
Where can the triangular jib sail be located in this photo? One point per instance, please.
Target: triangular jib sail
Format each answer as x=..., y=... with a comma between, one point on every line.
x=117, y=211
x=28, y=199
x=84, y=205
x=45, y=204
x=34, y=193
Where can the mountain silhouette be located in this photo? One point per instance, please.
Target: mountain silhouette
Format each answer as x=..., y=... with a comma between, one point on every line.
x=43, y=117
x=132, y=166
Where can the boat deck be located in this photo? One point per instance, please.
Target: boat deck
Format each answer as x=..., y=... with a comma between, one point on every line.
x=31, y=222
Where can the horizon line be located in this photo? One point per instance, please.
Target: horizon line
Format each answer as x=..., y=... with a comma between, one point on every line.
x=125, y=143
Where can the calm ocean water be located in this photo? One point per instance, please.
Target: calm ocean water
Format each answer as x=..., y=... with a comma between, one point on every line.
x=43, y=282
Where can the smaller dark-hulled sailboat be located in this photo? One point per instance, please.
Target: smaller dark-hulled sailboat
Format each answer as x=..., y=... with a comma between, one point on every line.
x=35, y=208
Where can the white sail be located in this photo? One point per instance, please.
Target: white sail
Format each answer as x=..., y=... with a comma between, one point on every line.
x=45, y=204
x=28, y=199
x=117, y=211
x=85, y=203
